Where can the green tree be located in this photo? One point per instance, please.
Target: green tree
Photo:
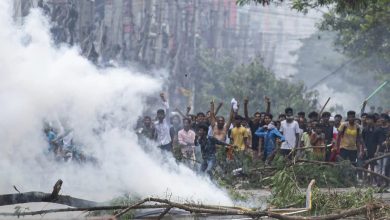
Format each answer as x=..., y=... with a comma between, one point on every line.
x=304, y=5
x=362, y=34
x=222, y=80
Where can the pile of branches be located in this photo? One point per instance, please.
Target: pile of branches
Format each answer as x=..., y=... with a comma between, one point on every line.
x=166, y=206
x=326, y=174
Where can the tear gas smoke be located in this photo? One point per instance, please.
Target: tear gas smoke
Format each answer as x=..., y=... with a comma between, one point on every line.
x=41, y=82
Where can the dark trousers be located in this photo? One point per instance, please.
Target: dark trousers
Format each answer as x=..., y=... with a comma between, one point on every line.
x=208, y=164
x=166, y=147
x=350, y=155
x=286, y=152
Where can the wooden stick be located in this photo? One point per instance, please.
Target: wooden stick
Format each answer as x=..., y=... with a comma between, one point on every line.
x=54, y=197
x=250, y=213
x=376, y=158
x=193, y=208
x=323, y=107
x=131, y=207
x=338, y=164
x=91, y=209
x=373, y=173
x=342, y=215
x=55, y=192
x=312, y=147
x=164, y=213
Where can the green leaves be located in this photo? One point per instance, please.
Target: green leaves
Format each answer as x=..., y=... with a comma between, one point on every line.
x=224, y=80
x=363, y=31
x=285, y=190
x=305, y=5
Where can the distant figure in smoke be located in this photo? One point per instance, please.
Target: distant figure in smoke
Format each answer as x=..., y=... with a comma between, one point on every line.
x=174, y=132
x=176, y=126
x=147, y=131
x=163, y=126
x=51, y=136
x=208, y=148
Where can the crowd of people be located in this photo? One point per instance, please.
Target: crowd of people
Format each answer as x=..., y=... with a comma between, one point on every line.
x=317, y=135
x=63, y=148
x=195, y=140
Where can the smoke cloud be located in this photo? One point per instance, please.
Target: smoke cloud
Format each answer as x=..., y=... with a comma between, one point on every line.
x=42, y=82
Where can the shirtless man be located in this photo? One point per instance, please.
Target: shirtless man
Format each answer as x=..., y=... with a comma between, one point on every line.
x=220, y=128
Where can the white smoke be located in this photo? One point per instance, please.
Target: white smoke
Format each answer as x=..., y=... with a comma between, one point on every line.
x=39, y=82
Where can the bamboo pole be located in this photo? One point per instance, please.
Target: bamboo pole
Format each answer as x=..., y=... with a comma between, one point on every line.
x=323, y=107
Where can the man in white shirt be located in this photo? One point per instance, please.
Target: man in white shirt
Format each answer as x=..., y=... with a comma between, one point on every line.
x=290, y=130
x=162, y=126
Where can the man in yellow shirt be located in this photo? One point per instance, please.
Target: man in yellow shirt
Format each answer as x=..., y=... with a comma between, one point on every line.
x=239, y=134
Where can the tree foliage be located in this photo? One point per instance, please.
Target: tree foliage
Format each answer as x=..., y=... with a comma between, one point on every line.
x=288, y=191
x=222, y=80
x=364, y=34
x=304, y=5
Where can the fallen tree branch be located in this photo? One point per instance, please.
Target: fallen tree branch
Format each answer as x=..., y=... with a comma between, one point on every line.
x=263, y=169
x=54, y=197
x=215, y=210
x=373, y=173
x=91, y=209
x=338, y=164
x=12, y=199
x=164, y=213
x=317, y=162
x=130, y=207
x=164, y=203
x=376, y=158
x=344, y=214
x=167, y=205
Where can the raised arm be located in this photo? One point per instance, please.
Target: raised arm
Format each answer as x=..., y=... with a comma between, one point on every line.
x=230, y=119
x=212, y=113
x=166, y=105
x=246, y=101
x=188, y=111
x=363, y=107
x=181, y=113
x=268, y=103
x=218, y=108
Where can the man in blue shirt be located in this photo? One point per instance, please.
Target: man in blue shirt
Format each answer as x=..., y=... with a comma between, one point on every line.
x=269, y=133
